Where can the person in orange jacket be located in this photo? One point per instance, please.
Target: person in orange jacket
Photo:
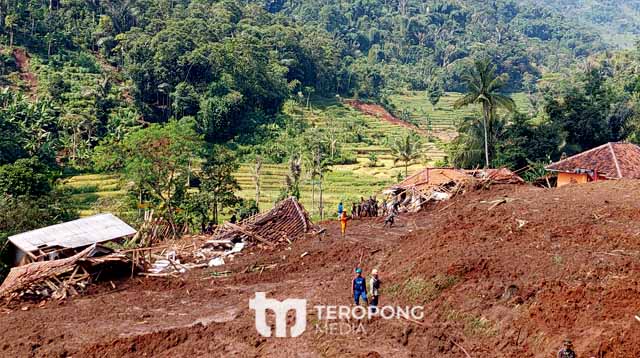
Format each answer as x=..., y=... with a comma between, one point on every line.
x=343, y=223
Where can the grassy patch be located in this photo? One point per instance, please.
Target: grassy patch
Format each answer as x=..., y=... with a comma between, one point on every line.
x=422, y=290
x=474, y=326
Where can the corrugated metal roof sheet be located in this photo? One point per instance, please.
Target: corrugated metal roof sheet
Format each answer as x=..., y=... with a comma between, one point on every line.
x=73, y=234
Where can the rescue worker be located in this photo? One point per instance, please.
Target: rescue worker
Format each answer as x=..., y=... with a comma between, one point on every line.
x=353, y=211
x=340, y=209
x=391, y=218
x=359, y=287
x=567, y=351
x=374, y=285
x=343, y=223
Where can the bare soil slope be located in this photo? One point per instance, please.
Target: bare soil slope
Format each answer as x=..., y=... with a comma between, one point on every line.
x=507, y=278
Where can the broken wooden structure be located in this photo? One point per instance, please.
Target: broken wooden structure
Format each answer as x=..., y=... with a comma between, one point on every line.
x=438, y=184
x=428, y=185
x=67, y=239
x=63, y=277
x=286, y=222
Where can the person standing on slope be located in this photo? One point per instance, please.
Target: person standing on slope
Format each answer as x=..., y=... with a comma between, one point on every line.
x=374, y=286
x=343, y=223
x=359, y=287
x=340, y=210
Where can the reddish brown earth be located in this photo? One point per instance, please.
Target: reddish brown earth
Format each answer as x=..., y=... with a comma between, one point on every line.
x=378, y=111
x=28, y=77
x=513, y=281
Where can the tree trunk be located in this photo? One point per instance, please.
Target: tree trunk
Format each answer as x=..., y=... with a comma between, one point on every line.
x=215, y=211
x=313, y=194
x=321, y=206
x=258, y=193
x=486, y=135
x=406, y=169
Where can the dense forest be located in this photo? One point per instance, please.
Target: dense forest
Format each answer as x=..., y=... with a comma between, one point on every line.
x=616, y=20
x=157, y=89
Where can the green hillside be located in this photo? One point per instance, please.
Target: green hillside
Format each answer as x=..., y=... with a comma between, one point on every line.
x=441, y=119
x=90, y=192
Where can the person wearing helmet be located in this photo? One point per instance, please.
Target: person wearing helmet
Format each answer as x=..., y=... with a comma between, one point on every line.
x=567, y=351
x=374, y=285
x=359, y=288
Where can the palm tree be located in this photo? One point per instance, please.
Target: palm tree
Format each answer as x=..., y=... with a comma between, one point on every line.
x=483, y=88
x=406, y=149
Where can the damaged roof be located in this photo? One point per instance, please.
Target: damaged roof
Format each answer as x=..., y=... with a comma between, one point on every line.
x=73, y=234
x=288, y=220
x=611, y=160
x=430, y=177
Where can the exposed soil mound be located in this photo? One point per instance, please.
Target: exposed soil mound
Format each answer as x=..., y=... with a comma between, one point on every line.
x=505, y=272
x=26, y=75
x=377, y=110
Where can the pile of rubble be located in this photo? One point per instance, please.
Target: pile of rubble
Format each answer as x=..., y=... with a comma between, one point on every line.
x=439, y=184
x=496, y=176
x=286, y=222
x=64, y=277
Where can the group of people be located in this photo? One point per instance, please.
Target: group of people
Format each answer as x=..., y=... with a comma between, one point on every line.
x=368, y=208
x=359, y=289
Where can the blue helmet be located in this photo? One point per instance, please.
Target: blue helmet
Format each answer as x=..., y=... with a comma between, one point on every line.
x=358, y=270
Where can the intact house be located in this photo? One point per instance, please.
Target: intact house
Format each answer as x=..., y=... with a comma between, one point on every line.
x=66, y=239
x=607, y=162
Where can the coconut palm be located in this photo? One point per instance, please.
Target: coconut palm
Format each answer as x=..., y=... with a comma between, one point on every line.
x=406, y=149
x=483, y=88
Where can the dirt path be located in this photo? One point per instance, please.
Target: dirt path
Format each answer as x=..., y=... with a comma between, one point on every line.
x=513, y=281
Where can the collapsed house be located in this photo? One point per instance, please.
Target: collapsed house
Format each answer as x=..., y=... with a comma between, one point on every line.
x=286, y=222
x=61, y=260
x=609, y=161
x=438, y=184
x=63, y=277
x=66, y=258
x=67, y=239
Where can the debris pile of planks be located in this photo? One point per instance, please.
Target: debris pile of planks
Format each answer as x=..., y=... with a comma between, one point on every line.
x=438, y=184
x=283, y=224
x=287, y=221
x=189, y=253
x=428, y=185
x=58, y=279
x=496, y=176
x=155, y=230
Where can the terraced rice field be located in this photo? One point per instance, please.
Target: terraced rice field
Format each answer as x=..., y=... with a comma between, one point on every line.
x=443, y=117
x=345, y=183
x=376, y=132
x=89, y=191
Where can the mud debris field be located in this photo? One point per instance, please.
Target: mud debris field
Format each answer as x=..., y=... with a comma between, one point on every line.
x=505, y=272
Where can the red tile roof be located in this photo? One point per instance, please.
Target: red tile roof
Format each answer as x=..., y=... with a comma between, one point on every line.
x=611, y=160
